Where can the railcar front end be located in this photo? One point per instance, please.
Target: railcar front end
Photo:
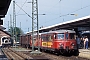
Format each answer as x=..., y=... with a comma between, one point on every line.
x=61, y=41
x=66, y=42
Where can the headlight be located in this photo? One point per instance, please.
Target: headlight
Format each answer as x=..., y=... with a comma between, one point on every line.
x=73, y=44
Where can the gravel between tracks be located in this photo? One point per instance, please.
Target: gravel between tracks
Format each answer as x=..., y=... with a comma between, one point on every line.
x=51, y=56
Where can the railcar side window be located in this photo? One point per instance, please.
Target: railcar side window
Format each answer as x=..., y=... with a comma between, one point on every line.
x=72, y=35
x=60, y=36
x=50, y=37
x=44, y=38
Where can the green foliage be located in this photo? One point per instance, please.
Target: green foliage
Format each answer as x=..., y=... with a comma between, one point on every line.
x=16, y=32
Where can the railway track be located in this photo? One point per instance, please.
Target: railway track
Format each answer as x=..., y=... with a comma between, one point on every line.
x=53, y=56
x=22, y=55
x=11, y=54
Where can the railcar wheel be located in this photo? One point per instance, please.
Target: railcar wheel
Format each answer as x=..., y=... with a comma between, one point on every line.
x=62, y=51
x=76, y=52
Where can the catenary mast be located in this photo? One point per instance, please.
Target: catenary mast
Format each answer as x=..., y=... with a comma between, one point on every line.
x=35, y=23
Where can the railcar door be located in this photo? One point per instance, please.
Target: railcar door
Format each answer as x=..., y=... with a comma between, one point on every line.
x=44, y=41
x=50, y=40
x=29, y=39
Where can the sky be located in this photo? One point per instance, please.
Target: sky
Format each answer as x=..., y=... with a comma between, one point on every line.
x=56, y=11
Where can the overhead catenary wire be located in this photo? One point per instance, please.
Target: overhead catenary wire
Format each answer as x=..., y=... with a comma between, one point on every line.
x=22, y=6
x=23, y=10
x=68, y=13
x=75, y=10
x=53, y=6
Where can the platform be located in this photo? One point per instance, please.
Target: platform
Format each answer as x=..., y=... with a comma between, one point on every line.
x=2, y=56
x=85, y=53
x=22, y=49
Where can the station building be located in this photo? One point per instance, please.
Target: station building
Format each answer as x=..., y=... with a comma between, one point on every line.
x=4, y=37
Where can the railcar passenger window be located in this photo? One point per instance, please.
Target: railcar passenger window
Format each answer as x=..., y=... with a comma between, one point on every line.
x=72, y=35
x=50, y=37
x=44, y=38
x=60, y=36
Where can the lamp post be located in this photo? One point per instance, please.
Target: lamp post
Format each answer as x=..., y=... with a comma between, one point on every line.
x=74, y=14
x=67, y=15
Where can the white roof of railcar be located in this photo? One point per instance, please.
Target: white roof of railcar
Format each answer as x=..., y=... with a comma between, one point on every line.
x=60, y=31
x=36, y=34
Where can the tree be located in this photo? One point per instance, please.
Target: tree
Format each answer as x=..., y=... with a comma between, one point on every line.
x=16, y=32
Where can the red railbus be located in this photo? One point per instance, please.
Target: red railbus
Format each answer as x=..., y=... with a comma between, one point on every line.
x=60, y=41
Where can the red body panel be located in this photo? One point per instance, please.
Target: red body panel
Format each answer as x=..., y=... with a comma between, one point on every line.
x=65, y=43
x=56, y=44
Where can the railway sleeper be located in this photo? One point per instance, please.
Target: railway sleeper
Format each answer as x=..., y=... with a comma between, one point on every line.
x=21, y=54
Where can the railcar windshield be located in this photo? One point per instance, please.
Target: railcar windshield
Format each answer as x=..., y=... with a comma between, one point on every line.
x=60, y=36
x=72, y=35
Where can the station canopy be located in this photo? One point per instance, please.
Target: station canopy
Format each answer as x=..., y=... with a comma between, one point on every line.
x=4, y=5
x=72, y=24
